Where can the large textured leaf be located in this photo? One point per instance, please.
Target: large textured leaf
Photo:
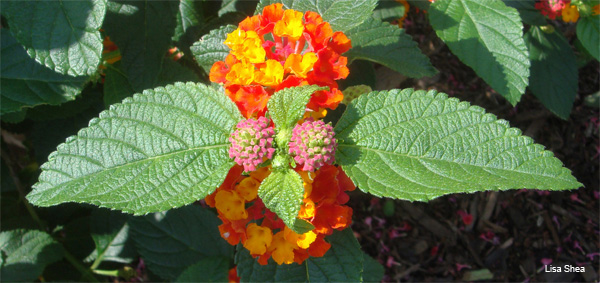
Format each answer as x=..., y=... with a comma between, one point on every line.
x=588, y=32
x=488, y=37
x=342, y=263
x=62, y=35
x=342, y=15
x=210, y=269
x=142, y=30
x=210, y=48
x=287, y=106
x=382, y=43
x=529, y=14
x=389, y=11
x=415, y=145
x=25, y=254
x=171, y=241
x=26, y=83
x=282, y=193
x=110, y=232
x=161, y=149
x=553, y=70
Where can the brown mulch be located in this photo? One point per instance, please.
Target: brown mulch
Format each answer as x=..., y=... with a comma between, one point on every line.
x=496, y=236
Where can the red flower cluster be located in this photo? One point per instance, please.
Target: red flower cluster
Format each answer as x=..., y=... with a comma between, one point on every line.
x=279, y=49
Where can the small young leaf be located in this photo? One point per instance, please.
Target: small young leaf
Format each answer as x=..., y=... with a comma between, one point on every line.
x=302, y=226
x=210, y=269
x=588, y=32
x=415, y=145
x=26, y=83
x=26, y=253
x=161, y=149
x=210, y=48
x=342, y=15
x=142, y=30
x=282, y=193
x=488, y=37
x=171, y=241
x=110, y=232
x=553, y=70
x=287, y=106
x=62, y=35
x=342, y=263
x=382, y=43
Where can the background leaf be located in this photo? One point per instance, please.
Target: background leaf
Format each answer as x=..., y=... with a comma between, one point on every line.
x=588, y=32
x=415, y=145
x=142, y=30
x=161, y=149
x=553, y=70
x=110, y=232
x=342, y=263
x=282, y=193
x=529, y=14
x=342, y=15
x=210, y=269
x=61, y=35
x=382, y=43
x=287, y=106
x=116, y=84
x=26, y=83
x=389, y=11
x=171, y=241
x=488, y=37
x=210, y=48
x=26, y=253
x=372, y=270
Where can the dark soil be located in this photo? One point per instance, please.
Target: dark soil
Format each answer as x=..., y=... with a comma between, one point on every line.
x=497, y=236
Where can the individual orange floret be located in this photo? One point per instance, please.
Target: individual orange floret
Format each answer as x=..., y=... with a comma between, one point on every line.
x=319, y=247
x=232, y=275
x=271, y=74
x=248, y=188
x=300, y=65
x=282, y=251
x=261, y=173
x=303, y=241
x=258, y=239
x=233, y=230
x=231, y=205
x=290, y=25
x=251, y=100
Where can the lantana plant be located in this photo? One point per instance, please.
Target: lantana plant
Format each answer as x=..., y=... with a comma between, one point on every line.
x=258, y=159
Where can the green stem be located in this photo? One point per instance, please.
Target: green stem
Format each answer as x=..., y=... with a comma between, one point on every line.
x=113, y=273
x=85, y=272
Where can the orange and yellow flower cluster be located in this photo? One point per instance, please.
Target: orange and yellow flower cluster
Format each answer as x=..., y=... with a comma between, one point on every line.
x=564, y=9
x=279, y=49
x=246, y=220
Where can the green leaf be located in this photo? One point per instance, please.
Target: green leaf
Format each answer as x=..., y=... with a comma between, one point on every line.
x=210, y=269
x=210, y=48
x=287, y=106
x=553, y=70
x=110, y=232
x=415, y=145
x=529, y=14
x=342, y=15
x=116, y=84
x=389, y=11
x=372, y=270
x=173, y=72
x=161, y=149
x=488, y=37
x=588, y=32
x=189, y=18
x=26, y=83
x=342, y=263
x=229, y=6
x=61, y=35
x=282, y=193
x=302, y=226
x=142, y=30
x=171, y=241
x=382, y=43
x=26, y=253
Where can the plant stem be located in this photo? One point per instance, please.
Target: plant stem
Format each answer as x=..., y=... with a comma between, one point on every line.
x=113, y=273
x=85, y=272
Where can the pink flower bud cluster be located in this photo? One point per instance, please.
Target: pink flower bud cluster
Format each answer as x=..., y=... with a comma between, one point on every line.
x=313, y=144
x=251, y=142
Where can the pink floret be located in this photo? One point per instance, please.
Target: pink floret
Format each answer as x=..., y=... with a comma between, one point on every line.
x=313, y=145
